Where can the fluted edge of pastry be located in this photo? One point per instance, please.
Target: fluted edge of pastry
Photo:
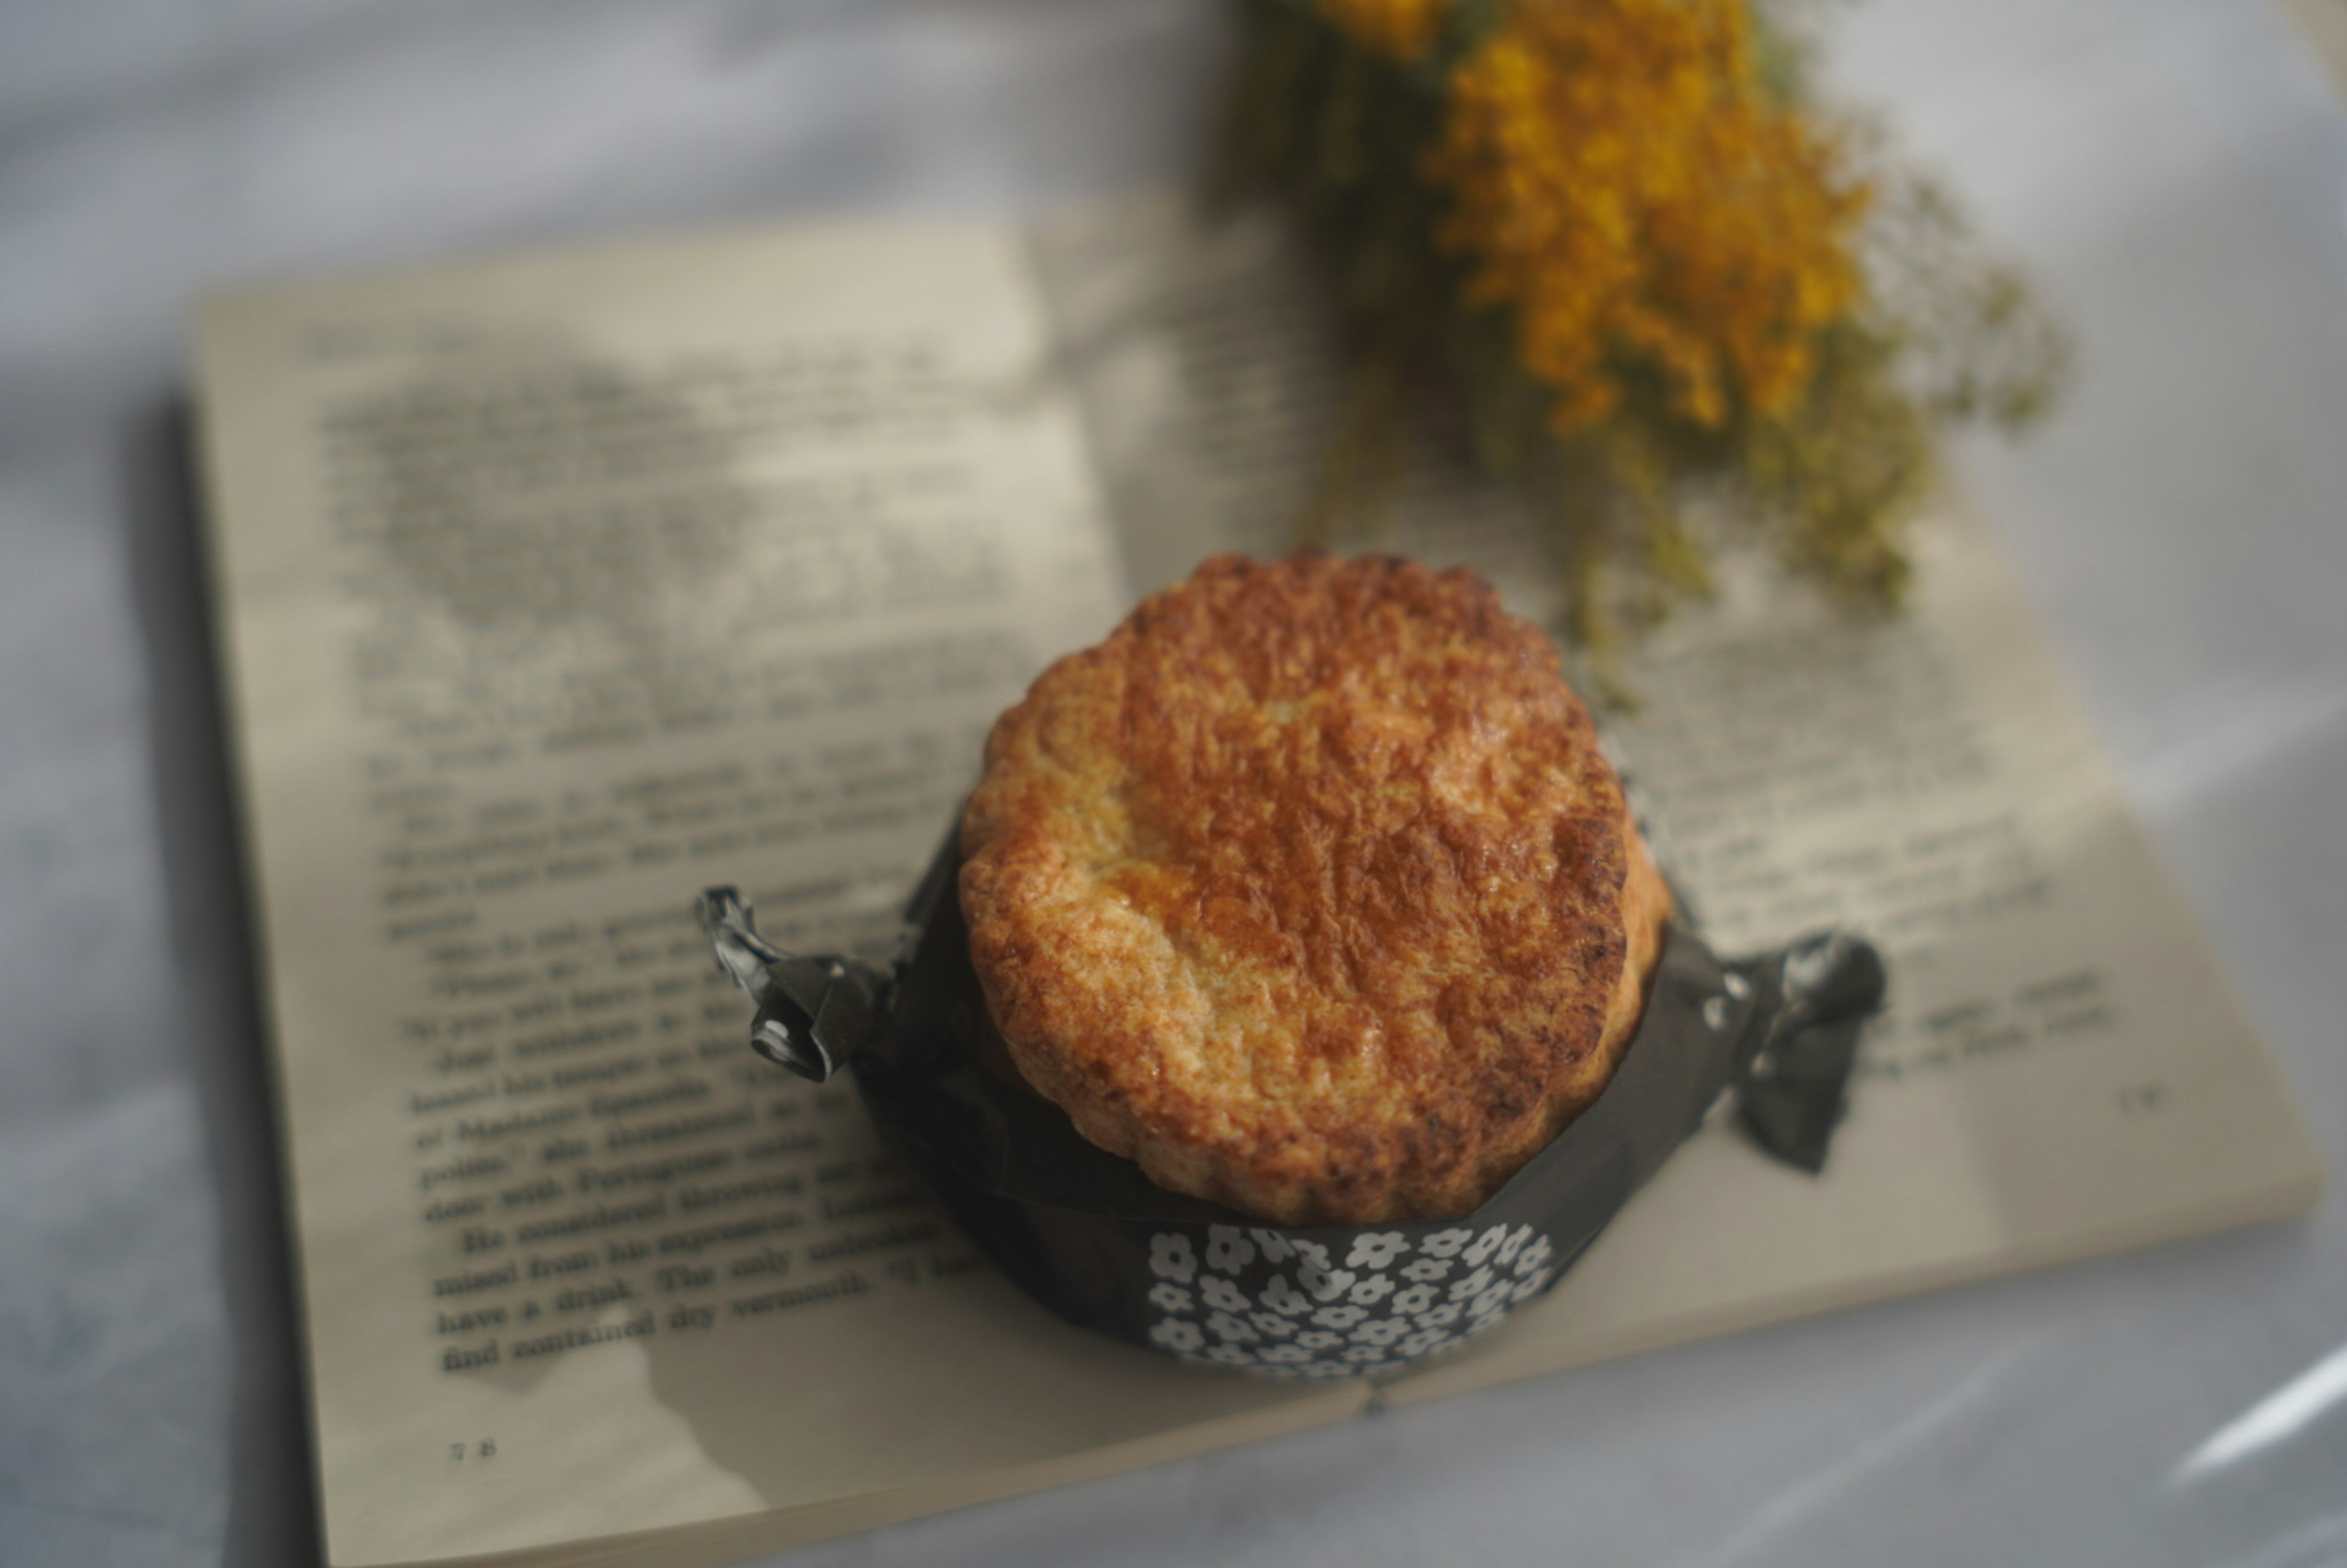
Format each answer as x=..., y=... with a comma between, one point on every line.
x=1311, y=891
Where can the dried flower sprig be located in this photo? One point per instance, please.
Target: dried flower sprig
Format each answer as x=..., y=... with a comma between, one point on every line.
x=1659, y=280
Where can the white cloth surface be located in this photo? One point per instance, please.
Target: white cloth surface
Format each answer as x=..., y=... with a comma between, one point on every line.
x=2174, y=170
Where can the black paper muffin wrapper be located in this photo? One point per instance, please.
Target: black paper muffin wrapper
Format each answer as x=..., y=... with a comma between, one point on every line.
x=1090, y=1236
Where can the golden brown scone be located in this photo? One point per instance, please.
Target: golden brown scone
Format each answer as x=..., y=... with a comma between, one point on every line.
x=1310, y=891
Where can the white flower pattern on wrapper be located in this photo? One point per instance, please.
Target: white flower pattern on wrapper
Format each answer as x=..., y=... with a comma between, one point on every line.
x=1228, y=1249
x=1445, y=1243
x=1223, y=1326
x=1324, y=1285
x=1170, y=1257
x=1438, y=1289
x=1176, y=1335
x=1467, y=1285
x=1274, y=1244
x=1281, y=1297
x=1222, y=1294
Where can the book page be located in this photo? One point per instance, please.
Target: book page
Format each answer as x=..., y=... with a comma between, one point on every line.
x=2062, y=1068
x=553, y=590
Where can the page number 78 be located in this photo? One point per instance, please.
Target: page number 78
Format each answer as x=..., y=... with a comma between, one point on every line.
x=459, y=1453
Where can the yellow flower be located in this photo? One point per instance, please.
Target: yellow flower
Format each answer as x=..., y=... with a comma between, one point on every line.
x=1396, y=29
x=1621, y=178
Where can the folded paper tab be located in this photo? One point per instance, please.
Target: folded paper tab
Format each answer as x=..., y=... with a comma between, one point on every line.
x=814, y=1014
x=1814, y=998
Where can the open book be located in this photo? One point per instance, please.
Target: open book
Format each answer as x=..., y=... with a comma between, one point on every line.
x=555, y=588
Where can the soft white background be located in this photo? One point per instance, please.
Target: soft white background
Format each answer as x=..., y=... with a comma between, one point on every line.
x=2175, y=171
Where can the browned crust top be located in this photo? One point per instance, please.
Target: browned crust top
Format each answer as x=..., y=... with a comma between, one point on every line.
x=1310, y=890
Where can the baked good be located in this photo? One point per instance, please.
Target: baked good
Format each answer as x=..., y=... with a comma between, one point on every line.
x=1310, y=890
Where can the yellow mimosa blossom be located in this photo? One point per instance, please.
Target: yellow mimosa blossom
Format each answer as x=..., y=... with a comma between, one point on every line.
x=1398, y=30
x=1621, y=179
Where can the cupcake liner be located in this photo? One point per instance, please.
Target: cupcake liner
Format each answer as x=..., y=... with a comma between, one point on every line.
x=1090, y=1236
